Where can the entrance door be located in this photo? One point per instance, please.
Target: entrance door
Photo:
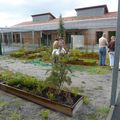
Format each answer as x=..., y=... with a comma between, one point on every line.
x=98, y=35
x=46, y=39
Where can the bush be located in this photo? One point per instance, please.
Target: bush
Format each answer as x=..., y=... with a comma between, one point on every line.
x=19, y=53
x=6, y=75
x=17, y=80
x=41, y=86
x=30, y=82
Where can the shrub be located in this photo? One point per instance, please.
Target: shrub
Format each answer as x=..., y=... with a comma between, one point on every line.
x=59, y=72
x=86, y=100
x=30, y=82
x=41, y=85
x=45, y=114
x=6, y=75
x=102, y=111
x=17, y=80
x=18, y=54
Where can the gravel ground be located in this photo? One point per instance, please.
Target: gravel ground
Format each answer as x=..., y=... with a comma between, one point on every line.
x=97, y=87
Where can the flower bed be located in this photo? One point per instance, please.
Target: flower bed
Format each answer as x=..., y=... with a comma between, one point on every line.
x=39, y=92
x=58, y=104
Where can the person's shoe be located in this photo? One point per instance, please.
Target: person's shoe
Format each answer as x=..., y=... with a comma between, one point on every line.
x=105, y=65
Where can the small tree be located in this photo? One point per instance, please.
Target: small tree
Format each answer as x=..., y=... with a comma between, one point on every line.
x=59, y=73
x=61, y=30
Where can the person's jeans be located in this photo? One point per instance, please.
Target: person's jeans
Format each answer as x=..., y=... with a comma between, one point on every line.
x=111, y=58
x=102, y=55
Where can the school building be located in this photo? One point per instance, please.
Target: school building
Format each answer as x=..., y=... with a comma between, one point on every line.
x=89, y=24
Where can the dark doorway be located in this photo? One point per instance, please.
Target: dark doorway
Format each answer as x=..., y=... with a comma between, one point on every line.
x=68, y=40
x=98, y=35
x=46, y=40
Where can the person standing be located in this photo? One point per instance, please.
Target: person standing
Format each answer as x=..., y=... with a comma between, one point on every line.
x=102, y=50
x=62, y=46
x=55, y=48
x=111, y=51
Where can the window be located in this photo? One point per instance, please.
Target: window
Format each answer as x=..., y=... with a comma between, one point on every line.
x=98, y=35
x=46, y=39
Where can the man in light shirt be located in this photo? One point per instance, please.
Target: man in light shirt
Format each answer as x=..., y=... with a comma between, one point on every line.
x=102, y=50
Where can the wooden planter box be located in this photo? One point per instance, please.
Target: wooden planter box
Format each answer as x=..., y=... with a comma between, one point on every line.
x=43, y=101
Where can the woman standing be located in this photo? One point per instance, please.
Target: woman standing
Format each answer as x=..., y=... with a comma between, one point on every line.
x=111, y=51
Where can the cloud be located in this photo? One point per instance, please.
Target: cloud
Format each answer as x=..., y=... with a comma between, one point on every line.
x=13, y=2
x=18, y=10
x=69, y=13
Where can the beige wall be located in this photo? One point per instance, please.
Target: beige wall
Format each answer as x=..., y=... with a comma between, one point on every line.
x=27, y=37
x=91, y=35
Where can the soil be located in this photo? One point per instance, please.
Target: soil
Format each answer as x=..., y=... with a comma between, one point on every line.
x=96, y=87
x=81, y=62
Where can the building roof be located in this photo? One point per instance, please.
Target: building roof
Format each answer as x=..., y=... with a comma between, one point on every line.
x=99, y=6
x=65, y=19
x=43, y=15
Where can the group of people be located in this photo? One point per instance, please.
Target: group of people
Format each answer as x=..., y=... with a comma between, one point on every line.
x=59, y=47
x=103, y=47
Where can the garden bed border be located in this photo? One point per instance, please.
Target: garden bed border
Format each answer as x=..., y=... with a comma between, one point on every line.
x=43, y=101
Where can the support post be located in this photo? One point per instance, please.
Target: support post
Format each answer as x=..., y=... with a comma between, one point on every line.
x=116, y=60
x=21, y=43
x=33, y=39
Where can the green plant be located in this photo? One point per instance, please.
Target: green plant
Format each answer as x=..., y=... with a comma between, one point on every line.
x=86, y=100
x=61, y=30
x=19, y=53
x=6, y=75
x=30, y=82
x=41, y=86
x=16, y=80
x=2, y=103
x=14, y=116
x=45, y=114
x=75, y=90
x=51, y=96
x=92, y=116
x=19, y=80
x=59, y=74
x=91, y=69
x=46, y=55
x=102, y=111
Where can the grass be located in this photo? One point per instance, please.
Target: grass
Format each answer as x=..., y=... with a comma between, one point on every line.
x=92, y=69
x=86, y=100
x=14, y=116
x=2, y=104
x=92, y=116
x=102, y=111
x=45, y=114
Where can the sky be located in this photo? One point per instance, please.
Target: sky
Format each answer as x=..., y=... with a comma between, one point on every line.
x=16, y=11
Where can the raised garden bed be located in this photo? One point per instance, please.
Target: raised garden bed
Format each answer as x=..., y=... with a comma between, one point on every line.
x=81, y=62
x=55, y=105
